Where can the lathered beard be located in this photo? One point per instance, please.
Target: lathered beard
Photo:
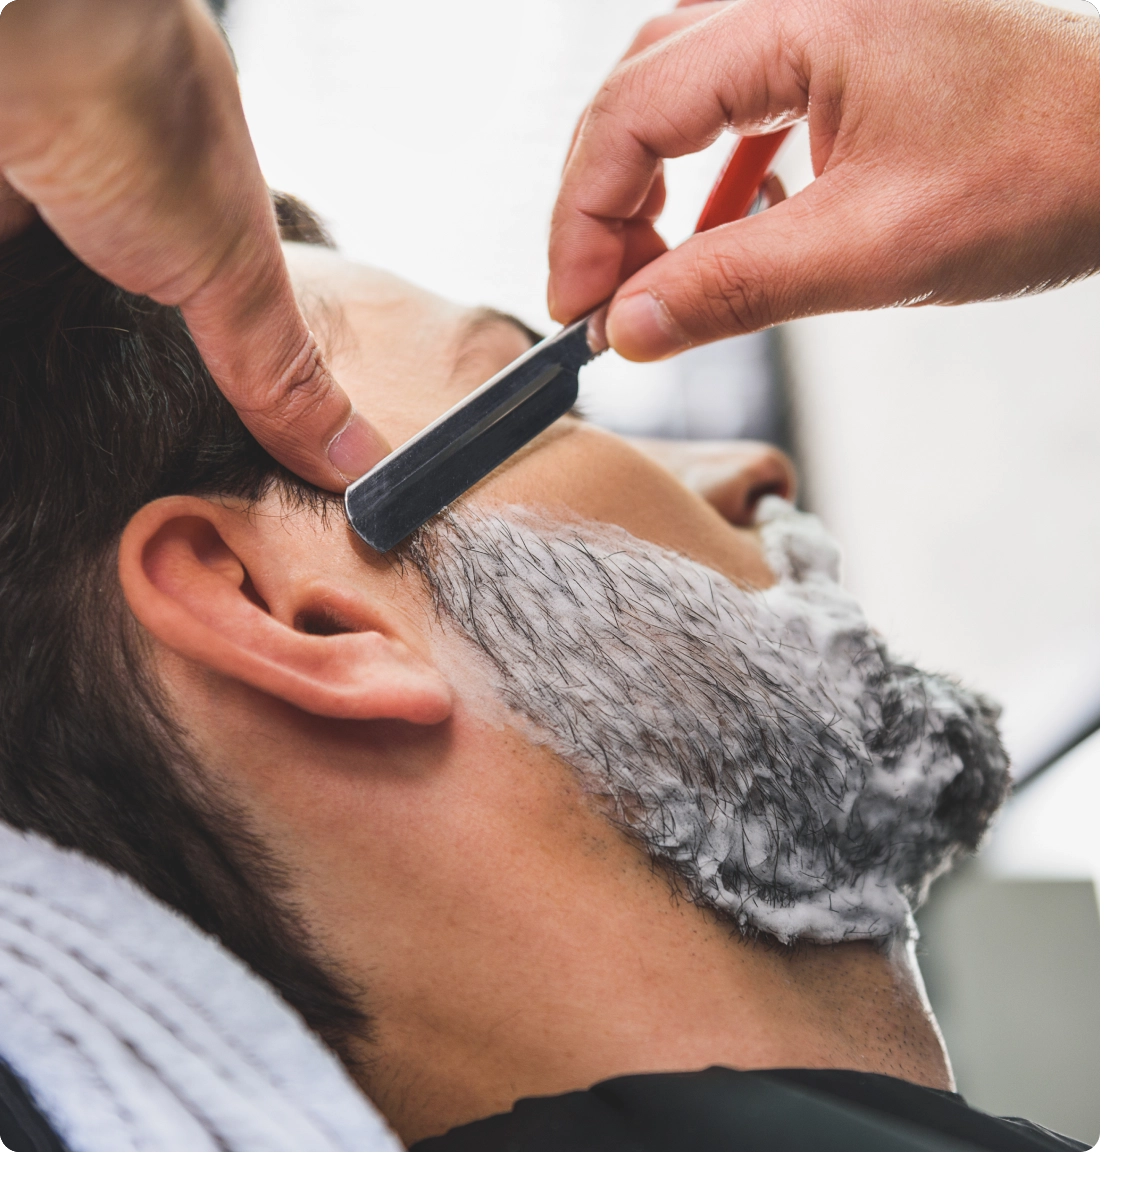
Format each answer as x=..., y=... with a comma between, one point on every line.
x=761, y=742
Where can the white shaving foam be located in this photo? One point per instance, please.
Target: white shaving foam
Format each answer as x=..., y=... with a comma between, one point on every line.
x=761, y=742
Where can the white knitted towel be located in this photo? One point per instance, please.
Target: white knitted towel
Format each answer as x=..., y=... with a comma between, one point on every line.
x=134, y=1031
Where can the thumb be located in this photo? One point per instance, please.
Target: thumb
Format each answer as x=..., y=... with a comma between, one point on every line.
x=252, y=336
x=828, y=248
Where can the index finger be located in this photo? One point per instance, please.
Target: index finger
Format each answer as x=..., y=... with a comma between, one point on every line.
x=256, y=343
x=686, y=13
x=734, y=69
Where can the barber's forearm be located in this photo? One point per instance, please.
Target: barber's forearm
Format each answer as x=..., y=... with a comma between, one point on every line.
x=121, y=122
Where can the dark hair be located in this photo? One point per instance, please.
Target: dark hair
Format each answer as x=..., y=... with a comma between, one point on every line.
x=104, y=406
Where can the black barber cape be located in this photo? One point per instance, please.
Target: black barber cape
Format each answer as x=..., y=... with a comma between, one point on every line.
x=755, y=1110
x=23, y=1126
x=714, y=1110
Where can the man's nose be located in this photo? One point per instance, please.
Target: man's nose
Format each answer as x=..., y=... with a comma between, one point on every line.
x=733, y=475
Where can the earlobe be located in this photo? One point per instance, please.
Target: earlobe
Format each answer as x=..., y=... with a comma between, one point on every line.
x=200, y=578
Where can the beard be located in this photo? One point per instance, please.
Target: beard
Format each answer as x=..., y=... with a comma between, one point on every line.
x=762, y=743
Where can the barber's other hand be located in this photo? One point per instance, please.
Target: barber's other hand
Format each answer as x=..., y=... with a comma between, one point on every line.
x=955, y=145
x=120, y=122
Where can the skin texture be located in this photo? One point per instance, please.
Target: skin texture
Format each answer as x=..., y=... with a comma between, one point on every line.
x=955, y=145
x=507, y=940
x=121, y=124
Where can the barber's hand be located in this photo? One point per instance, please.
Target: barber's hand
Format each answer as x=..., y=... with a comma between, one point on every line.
x=120, y=122
x=955, y=145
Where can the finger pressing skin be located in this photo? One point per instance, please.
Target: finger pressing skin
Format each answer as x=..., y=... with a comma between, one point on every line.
x=727, y=70
x=257, y=345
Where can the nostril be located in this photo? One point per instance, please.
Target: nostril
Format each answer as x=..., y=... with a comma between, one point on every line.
x=757, y=492
x=321, y=622
x=744, y=473
x=754, y=495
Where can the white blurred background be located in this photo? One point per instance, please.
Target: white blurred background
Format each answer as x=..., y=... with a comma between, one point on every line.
x=954, y=451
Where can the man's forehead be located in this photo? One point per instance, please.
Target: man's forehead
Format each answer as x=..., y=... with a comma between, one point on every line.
x=323, y=277
x=403, y=354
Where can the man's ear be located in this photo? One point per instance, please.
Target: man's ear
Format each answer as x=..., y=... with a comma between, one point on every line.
x=238, y=594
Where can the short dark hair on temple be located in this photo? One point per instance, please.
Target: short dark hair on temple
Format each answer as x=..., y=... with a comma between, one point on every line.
x=104, y=406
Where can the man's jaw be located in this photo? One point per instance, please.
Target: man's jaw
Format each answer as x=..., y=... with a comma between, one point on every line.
x=762, y=743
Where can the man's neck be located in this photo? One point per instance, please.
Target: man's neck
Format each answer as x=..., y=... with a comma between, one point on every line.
x=648, y=1009
x=508, y=941
x=574, y=960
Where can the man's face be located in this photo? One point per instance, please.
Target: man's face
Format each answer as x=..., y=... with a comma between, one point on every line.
x=741, y=718
x=733, y=711
x=405, y=356
x=454, y=838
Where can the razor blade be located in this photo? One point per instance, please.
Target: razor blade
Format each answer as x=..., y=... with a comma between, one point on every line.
x=430, y=471
x=457, y=450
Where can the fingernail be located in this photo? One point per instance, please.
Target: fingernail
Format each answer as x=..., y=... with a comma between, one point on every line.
x=641, y=329
x=596, y=332
x=356, y=449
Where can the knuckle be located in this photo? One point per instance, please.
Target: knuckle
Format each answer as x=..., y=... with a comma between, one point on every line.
x=733, y=295
x=608, y=102
x=303, y=391
x=644, y=99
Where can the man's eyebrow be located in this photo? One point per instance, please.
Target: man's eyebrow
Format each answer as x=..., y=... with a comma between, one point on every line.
x=480, y=321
